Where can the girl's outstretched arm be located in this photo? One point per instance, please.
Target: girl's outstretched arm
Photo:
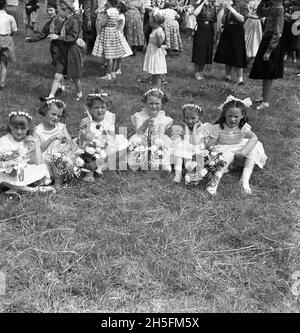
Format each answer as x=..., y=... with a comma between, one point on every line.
x=250, y=144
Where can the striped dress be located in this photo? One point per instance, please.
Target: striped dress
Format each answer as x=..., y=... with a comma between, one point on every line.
x=108, y=42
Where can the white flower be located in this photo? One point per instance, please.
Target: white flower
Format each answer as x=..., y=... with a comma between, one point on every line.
x=154, y=148
x=160, y=153
x=205, y=152
x=190, y=165
x=57, y=155
x=98, y=150
x=203, y=172
x=97, y=156
x=213, y=153
x=103, y=154
x=90, y=150
x=79, y=162
x=140, y=149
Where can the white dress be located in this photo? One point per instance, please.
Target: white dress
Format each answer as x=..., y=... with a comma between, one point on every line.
x=32, y=172
x=182, y=143
x=160, y=124
x=43, y=135
x=155, y=57
x=253, y=30
x=231, y=142
x=115, y=143
x=120, y=28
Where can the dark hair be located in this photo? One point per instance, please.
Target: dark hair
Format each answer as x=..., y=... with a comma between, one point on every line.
x=156, y=93
x=193, y=109
x=47, y=104
x=2, y=4
x=122, y=7
x=100, y=96
x=233, y=104
x=114, y=3
x=19, y=120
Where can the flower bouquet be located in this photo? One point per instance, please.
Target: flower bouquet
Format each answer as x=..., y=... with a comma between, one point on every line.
x=13, y=163
x=208, y=163
x=156, y=153
x=138, y=148
x=90, y=151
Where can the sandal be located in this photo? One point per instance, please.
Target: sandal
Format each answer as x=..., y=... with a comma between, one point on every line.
x=45, y=189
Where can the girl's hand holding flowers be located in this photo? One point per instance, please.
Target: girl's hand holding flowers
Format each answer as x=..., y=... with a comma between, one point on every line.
x=53, y=36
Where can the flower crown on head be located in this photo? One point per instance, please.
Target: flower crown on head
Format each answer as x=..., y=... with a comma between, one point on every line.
x=54, y=100
x=154, y=90
x=247, y=101
x=19, y=113
x=192, y=106
x=98, y=95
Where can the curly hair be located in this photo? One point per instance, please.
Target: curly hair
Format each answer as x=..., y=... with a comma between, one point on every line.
x=99, y=96
x=233, y=104
x=156, y=93
x=47, y=104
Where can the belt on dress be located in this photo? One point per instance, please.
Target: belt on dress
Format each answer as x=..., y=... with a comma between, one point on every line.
x=233, y=23
x=4, y=35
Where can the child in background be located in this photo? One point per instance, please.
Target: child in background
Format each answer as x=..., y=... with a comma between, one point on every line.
x=100, y=126
x=30, y=166
x=189, y=137
x=7, y=51
x=151, y=123
x=120, y=26
x=155, y=57
x=30, y=15
x=109, y=42
x=53, y=26
x=236, y=141
x=51, y=131
x=69, y=59
x=171, y=28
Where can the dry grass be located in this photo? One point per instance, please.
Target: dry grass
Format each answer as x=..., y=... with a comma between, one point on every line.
x=135, y=242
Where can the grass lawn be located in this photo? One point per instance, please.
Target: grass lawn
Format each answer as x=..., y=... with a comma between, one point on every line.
x=136, y=242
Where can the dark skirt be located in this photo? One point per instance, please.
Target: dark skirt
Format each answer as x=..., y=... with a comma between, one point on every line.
x=287, y=37
x=69, y=61
x=271, y=69
x=203, y=43
x=231, y=49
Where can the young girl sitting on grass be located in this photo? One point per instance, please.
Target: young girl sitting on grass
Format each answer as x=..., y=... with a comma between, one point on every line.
x=150, y=124
x=20, y=157
x=99, y=127
x=234, y=138
x=7, y=51
x=51, y=131
x=155, y=57
x=189, y=137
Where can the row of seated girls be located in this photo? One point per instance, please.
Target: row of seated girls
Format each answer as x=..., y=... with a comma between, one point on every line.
x=231, y=135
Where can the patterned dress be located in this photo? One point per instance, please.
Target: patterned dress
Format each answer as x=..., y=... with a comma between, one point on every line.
x=134, y=25
x=108, y=42
x=171, y=27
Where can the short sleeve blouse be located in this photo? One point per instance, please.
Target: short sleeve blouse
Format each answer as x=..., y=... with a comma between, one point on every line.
x=235, y=136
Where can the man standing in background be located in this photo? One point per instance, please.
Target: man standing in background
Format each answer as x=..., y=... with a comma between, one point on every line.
x=12, y=9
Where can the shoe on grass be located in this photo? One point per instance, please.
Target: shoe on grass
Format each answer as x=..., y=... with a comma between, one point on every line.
x=263, y=105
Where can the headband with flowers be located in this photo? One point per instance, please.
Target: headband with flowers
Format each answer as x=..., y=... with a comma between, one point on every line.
x=160, y=92
x=19, y=113
x=192, y=106
x=54, y=100
x=247, y=101
x=98, y=95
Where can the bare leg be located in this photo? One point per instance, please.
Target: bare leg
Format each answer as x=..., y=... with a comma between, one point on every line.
x=118, y=68
x=267, y=86
x=77, y=84
x=56, y=84
x=178, y=169
x=3, y=70
x=156, y=80
x=247, y=171
x=239, y=73
x=109, y=65
x=228, y=72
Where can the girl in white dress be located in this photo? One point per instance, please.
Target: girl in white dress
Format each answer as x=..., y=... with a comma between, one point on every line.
x=28, y=166
x=100, y=126
x=253, y=30
x=234, y=138
x=155, y=57
x=189, y=137
x=151, y=125
x=51, y=132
